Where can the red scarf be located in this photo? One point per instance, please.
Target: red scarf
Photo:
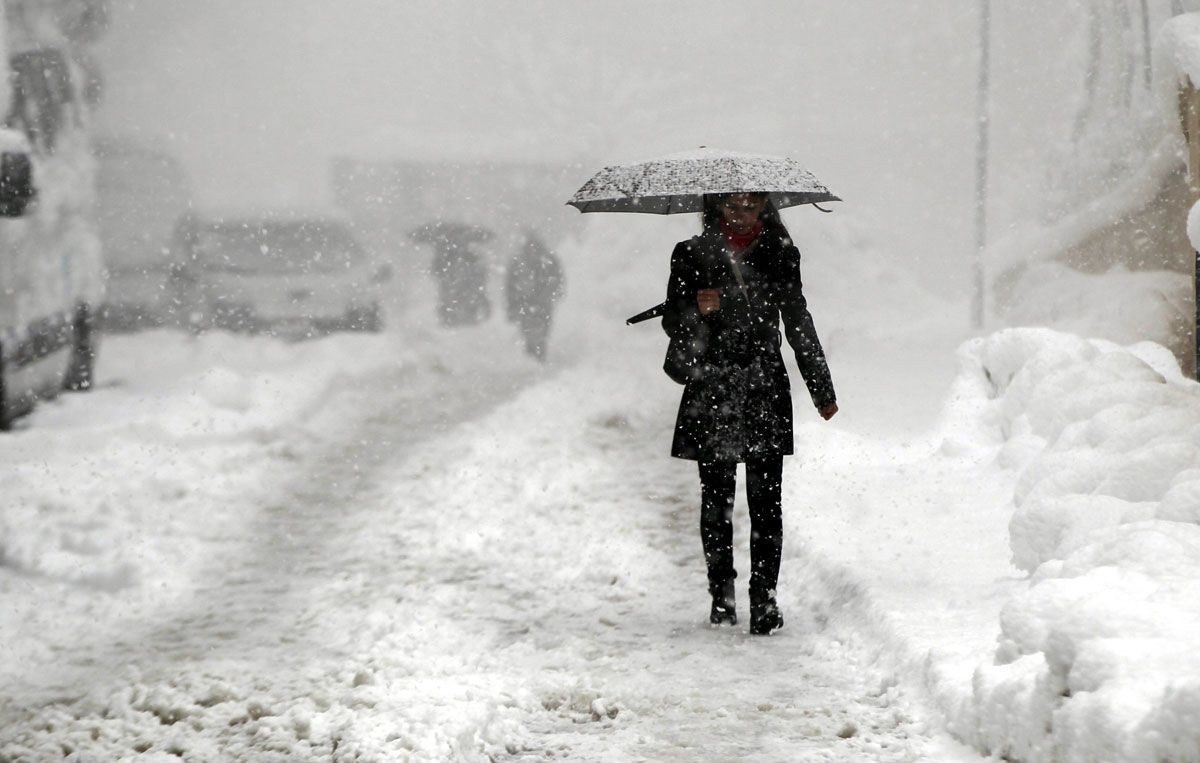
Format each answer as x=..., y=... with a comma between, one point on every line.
x=740, y=242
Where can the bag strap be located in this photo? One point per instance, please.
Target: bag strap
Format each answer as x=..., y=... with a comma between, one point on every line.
x=737, y=272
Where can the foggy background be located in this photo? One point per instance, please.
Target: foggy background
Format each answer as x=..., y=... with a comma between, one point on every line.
x=393, y=502
x=878, y=100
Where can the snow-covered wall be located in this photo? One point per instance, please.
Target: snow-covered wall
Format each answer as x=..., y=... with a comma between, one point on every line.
x=1108, y=217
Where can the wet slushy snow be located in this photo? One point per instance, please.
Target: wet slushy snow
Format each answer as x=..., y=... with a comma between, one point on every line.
x=420, y=572
x=421, y=545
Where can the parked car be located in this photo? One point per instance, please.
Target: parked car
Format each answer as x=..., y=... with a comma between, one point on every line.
x=50, y=257
x=140, y=193
x=285, y=275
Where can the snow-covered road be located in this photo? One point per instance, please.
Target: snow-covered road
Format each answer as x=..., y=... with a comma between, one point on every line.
x=423, y=575
x=423, y=546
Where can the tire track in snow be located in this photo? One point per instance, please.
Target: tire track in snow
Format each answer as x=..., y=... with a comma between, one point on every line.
x=256, y=652
x=642, y=675
x=380, y=610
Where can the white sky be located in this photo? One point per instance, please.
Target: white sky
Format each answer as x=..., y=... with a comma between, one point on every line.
x=877, y=98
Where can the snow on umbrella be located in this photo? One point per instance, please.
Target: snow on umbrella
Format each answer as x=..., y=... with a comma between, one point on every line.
x=677, y=183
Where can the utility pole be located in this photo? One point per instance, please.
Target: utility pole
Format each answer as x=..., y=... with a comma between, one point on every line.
x=1147, y=49
x=981, y=162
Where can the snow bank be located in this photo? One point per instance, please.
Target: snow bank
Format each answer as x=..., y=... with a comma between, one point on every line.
x=1178, y=46
x=1033, y=560
x=77, y=513
x=1193, y=226
x=121, y=489
x=1121, y=305
x=1096, y=659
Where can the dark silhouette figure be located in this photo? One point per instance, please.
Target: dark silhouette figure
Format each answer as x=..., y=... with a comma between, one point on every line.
x=460, y=273
x=730, y=289
x=532, y=284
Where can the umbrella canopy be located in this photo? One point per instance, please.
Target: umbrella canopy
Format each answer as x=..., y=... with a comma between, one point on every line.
x=678, y=182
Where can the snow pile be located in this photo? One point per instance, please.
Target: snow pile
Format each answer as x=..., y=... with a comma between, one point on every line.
x=124, y=485
x=1121, y=305
x=1096, y=659
x=1193, y=226
x=1178, y=45
x=221, y=385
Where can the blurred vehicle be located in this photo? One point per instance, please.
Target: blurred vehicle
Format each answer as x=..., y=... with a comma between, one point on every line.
x=289, y=276
x=50, y=258
x=140, y=194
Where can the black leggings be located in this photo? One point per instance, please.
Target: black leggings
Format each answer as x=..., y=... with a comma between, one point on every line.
x=718, y=482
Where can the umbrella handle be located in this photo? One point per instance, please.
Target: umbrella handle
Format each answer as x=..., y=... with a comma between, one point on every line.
x=646, y=315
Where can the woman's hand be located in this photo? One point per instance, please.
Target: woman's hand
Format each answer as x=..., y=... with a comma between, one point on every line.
x=708, y=300
x=828, y=412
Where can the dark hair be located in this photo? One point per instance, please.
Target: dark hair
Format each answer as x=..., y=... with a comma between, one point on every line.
x=710, y=216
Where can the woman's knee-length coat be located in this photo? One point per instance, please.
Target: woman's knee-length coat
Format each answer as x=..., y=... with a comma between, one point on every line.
x=737, y=402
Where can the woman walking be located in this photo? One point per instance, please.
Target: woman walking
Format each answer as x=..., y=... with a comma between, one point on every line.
x=728, y=290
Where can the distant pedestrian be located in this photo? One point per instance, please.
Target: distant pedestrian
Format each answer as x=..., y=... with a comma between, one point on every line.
x=728, y=290
x=461, y=274
x=533, y=282
x=462, y=284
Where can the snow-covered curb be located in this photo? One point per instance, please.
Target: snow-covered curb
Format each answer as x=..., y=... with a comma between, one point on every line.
x=1083, y=648
x=1096, y=659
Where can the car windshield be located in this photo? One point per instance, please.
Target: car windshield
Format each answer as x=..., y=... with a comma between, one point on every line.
x=275, y=248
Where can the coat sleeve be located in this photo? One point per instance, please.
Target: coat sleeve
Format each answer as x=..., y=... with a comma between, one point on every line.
x=801, y=333
x=681, y=313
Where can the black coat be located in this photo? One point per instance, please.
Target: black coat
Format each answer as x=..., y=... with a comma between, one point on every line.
x=533, y=282
x=738, y=403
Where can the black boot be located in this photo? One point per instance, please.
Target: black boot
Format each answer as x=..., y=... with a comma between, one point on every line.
x=765, y=616
x=724, y=608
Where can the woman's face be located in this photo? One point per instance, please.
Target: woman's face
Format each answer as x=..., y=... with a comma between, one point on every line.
x=741, y=210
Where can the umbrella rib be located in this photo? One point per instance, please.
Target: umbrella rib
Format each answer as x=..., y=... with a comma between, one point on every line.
x=735, y=178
